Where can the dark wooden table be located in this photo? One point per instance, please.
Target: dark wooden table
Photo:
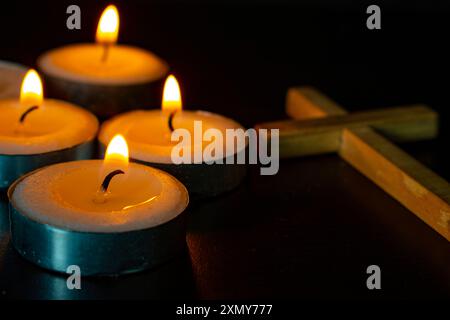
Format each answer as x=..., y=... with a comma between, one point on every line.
x=311, y=230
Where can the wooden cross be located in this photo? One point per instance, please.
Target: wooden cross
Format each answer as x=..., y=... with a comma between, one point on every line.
x=322, y=126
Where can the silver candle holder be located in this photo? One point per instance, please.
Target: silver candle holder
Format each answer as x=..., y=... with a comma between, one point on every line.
x=95, y=253
x=13, y=166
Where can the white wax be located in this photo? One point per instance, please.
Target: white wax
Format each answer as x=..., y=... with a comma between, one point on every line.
x=64, y=195
x=56, y=125
x=11, y=76
x=125, y=65
x=149, y=137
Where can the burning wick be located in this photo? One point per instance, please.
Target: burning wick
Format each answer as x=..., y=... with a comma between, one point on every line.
x=105, y=53
x=117, y=151
x=108, y=178
x=170, y=120
x=171, y=101
x=30, y=93
x=107, y=30
x=26, y=113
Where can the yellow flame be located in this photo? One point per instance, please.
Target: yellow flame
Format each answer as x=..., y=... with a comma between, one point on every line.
x=171, y=95
x=117, y=151
x=31, y=90
x=108, y=26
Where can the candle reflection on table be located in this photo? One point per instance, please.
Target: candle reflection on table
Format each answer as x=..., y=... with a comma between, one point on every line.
x=4, y=218
x=172, y=280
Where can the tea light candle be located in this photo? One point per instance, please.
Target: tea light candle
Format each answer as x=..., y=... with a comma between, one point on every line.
x=35, y=132
x=103, y=77
x=11, y=76
x=107, y=217
x=148, y=133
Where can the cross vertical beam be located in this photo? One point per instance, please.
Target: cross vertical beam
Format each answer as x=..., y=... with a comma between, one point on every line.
x=416, y=187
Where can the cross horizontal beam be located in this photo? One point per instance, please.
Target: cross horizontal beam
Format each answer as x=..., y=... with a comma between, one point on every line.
x=322, y=135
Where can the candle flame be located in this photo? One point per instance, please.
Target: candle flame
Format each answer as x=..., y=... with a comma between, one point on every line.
x=117, y=152
x=31, y=90
x=171, y=95
x=108, y=26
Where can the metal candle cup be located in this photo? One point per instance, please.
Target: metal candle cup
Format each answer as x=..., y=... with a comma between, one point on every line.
x=14, y=166
x=125, y=249
x=157, y=138
x=202, y=180
x=11, y=75
x=104, y=77
x=97, y=254
x=102, y=100
x=36, y=132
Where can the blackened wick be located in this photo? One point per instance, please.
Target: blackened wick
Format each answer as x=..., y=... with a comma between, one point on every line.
x=27, y=112
x=108, y=179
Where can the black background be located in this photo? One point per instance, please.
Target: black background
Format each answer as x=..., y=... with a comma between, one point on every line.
x=311, y=230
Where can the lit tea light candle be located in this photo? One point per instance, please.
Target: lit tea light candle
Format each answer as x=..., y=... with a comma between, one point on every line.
x=11, y=76
x=107, y=217
x=148, y=133
x=36, y=132
x=104, y=77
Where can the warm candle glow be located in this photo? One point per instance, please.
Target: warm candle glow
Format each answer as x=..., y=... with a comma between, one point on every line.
x=31, y=90
x=117, y=152
x=108, y=26
x=171, y=95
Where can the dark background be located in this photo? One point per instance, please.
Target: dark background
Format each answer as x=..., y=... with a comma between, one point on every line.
x=311, y=230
